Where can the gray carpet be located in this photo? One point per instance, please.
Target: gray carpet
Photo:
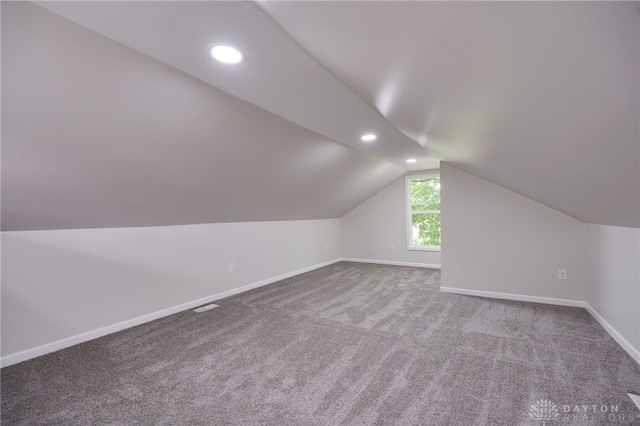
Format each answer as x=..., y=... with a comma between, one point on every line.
x=350, y=343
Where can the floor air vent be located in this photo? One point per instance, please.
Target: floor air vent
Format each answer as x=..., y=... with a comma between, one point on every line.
x=205, y=308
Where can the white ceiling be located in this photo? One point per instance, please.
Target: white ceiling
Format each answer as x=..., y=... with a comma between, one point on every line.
x=95, y=135
x=540, y=97
x=277, y=75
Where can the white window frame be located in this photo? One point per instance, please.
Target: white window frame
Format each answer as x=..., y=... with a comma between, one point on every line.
x=410, y=213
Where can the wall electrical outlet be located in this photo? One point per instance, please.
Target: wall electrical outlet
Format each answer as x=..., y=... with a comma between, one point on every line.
x=391, y=246
x=326, y=247
x=232, y=267
x=562, y=274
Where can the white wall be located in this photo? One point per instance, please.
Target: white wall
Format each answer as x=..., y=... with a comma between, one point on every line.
x=498, y=241
x=59, y=284
x=613, y=284
x=368, y=229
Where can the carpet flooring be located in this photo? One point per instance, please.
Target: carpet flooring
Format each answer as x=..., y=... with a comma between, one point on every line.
x=352, y=344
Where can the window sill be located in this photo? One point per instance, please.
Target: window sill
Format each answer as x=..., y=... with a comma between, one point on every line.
x=424, y=248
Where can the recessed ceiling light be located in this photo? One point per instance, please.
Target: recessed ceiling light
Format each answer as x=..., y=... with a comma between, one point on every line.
x=368, y=137
x=226, y=54
x=411, y=160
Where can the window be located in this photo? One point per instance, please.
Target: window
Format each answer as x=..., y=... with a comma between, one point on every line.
x=423, y=212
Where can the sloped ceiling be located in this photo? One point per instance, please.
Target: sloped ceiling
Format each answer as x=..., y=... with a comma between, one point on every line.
x=97, y=135
x=540, y=97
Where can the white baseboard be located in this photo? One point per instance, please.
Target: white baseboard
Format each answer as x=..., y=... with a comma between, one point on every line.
x=94, y=334
x=391, y=262
x=624, y=343
x=271, y=280
x=518, y=297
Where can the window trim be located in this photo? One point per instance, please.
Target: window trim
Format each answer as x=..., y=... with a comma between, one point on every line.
x=409, y=212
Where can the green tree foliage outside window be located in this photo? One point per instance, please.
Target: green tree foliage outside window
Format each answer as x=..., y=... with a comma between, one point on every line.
x=425, y=212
